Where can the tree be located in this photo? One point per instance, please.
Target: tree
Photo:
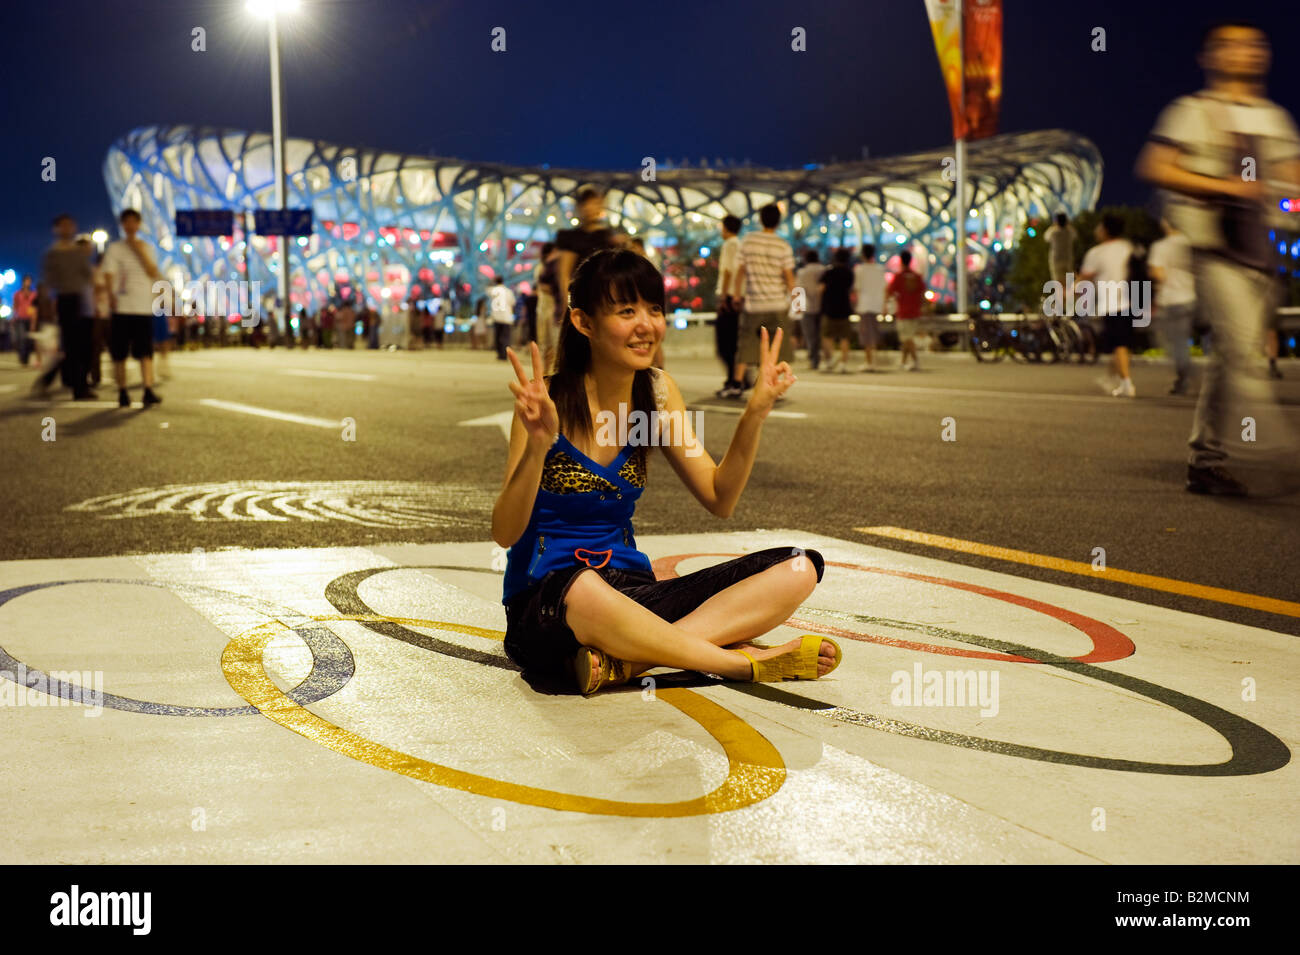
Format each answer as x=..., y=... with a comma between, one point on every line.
x=1030, y=270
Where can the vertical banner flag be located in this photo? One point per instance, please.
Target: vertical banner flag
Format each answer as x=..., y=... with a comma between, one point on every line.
x=968, y=40
x=945, y=23
x=982, y=30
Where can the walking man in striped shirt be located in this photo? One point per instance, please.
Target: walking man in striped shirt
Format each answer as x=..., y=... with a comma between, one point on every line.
x=765, y=277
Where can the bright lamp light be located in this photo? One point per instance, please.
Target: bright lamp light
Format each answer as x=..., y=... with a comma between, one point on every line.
x=267, y=8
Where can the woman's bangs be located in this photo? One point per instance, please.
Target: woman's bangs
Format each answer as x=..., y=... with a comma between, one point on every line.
x=631, y=278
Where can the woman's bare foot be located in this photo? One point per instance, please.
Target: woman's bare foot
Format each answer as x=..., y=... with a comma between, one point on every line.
x=825, y=657
x=744, y=645
x=825, y=654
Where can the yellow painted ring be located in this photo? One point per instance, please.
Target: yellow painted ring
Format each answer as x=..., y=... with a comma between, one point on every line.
x=755, y=769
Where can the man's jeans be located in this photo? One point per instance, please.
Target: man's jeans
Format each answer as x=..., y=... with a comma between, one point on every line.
x=812, y=335
x=1237, y=303
x=503, y=330
x=1175, y=323
x=22, y=339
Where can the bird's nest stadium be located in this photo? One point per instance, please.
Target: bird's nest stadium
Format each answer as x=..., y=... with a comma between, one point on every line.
x=393, y=227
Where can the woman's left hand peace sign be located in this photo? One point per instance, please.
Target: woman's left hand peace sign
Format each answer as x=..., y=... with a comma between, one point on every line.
x=773, y=379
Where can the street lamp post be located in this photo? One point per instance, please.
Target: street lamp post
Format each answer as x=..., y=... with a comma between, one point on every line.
x=271, y=9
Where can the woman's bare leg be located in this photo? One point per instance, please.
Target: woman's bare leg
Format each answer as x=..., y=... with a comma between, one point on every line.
x=608, y=620
x=754, y=606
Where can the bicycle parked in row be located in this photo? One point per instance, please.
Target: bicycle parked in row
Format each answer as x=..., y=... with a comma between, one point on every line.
x=1045, y=338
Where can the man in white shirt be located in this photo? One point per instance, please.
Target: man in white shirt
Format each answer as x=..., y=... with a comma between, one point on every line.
x=809, y=278
x=130, y=272
x=1170, y=264
x=766, y=279
x=1060, y=237
x=1196, y=151
x=869, y=301
x=726, y=327
x=1105, y=267
x=501, y=309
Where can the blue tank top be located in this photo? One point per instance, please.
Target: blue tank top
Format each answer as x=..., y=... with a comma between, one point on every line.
x=582, y=515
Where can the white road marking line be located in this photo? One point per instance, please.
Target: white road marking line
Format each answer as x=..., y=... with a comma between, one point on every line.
x=369, y=503
x=740, y=409
x=501, y=419
x=978, y=393
x=269, y=413
x=308, y=373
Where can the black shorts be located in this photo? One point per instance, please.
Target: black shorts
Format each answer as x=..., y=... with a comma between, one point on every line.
x=1117, y=332
x=725, y=329
x=130, y=334
x=541, y=643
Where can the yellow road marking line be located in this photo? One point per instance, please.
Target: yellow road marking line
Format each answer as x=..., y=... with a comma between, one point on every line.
x=1236, y=598
x=755, y=769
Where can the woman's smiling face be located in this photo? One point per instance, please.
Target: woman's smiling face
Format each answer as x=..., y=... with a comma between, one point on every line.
x=628, y=334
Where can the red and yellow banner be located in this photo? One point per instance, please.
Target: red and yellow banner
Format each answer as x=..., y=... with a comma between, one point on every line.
x=968, y=40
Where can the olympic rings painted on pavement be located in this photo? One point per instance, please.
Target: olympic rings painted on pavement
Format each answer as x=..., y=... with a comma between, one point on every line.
x=342, y=593
x=1254, y=749
x=332, y=665
x=755, y=769
x=1108, y=644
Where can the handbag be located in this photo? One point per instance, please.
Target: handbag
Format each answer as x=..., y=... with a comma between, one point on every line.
x=1241, y=222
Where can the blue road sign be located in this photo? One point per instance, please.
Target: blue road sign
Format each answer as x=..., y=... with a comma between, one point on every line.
x=205, y=222
x=283, y=221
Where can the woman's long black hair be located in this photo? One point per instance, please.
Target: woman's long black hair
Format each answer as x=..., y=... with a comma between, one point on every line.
x=601, y=282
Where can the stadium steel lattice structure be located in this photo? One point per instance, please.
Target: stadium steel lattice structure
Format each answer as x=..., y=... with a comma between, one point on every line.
x=395, y=226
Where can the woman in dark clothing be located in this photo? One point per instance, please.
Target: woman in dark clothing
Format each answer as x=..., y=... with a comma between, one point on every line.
x=570, y=491
x=836, y=308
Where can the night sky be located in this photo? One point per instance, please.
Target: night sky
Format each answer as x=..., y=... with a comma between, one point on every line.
x=582, y=84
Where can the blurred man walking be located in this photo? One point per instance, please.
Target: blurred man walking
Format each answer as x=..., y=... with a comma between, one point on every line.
x=130, y=272
x=766, y=280
x=907, y=289
x=68, y=273
x=1197, y=151
x=869, y=301
x=727, y=326
x=24, y=320
x=1170, y=263
x=809, y=278
x=501, y=306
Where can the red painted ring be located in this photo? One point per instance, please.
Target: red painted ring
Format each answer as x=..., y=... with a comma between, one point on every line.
x=1108, y=644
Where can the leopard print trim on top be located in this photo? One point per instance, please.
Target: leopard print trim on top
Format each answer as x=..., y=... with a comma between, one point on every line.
x=633, y=470
x=564, y=474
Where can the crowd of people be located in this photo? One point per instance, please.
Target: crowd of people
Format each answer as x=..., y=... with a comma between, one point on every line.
x=759, y=287
x=1211, y=269
x=84, y=303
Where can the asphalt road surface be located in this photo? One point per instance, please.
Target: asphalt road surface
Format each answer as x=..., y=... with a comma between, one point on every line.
x=256, y=449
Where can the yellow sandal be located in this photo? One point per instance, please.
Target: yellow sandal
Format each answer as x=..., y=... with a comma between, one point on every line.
x=613, y=671
x=798, y=664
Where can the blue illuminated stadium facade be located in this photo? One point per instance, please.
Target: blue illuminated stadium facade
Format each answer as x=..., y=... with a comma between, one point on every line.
x=393, y=226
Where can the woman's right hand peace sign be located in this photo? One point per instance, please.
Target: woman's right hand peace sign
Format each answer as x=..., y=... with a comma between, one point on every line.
x=533, y=405
x=773, y=379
